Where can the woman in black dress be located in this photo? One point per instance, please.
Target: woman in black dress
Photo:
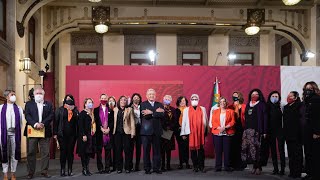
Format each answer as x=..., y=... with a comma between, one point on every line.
x=168, y=125
x=87, y=136
x=293, y=133
x=275, y=131
x=65, y=132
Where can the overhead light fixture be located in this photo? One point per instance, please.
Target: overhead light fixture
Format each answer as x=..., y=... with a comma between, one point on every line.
x=252, y=29
x=255, y=18
x=25, y=65
x=290, y=2
x=101, y=28
x=94, y=1
x=305, y=56
x=101, y=19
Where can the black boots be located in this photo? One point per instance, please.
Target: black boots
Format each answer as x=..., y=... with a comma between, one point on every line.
x=63, y=172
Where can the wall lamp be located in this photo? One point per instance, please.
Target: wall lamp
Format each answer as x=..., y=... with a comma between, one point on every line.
x=25, y=65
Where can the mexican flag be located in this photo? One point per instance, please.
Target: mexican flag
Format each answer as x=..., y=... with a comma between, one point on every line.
x=216, y=93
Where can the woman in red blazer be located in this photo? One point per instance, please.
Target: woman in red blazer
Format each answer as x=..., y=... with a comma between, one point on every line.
x=223, y=120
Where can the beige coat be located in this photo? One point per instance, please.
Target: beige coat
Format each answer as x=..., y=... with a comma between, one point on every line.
x=128, y=121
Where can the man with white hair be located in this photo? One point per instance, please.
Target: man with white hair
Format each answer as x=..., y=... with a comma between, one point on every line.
x=194, y=124
x=10, y=133
x=151, y=131
x=39, y=114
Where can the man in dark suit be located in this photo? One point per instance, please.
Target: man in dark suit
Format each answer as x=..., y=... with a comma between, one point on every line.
x=39, y=114
x=151, y=131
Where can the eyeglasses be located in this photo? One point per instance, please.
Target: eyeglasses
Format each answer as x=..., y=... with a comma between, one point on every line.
x=194, y=99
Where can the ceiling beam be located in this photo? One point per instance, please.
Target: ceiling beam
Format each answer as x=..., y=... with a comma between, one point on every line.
x=260, y=3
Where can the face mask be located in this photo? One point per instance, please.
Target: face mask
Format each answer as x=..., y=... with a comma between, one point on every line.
x=290, y=100
x=166, y=102
x=194, y=103
x=255, y=98
x=235, y=98
x=90, y=106
x=103, y=102
x=69, y=102
x=274, y=99
x=111, y=103
x=309, y=92
x=13, y=99
x=38, y=98
x=71, y=107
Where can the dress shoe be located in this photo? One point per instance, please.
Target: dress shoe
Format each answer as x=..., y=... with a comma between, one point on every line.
x=84, y=172
x=62, y=172
x=30, y=176
x=5, y=176
x=253, y=171
x=258, y=172
x=88, y=172
x=307, y=177
x=70, y=172
x=163, y=169
x=136, y=169
x=218, y=170
x=107, y=170
x=202, y=170
x=127, y=171
x=119, y=171
x=228, y=169
x=158, y=171
x=46, y=175
x=101, y=171
x=13, y=176
x=188, y=166
x=275, y=172
x=195, y=169
x=281, y=173
x=147, y=172
x=180, y=166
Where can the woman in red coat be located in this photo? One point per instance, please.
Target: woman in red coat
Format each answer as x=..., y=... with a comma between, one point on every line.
x=223, y=121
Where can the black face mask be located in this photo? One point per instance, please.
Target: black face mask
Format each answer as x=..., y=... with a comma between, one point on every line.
x=309, y=92
x=235, y=98
x=69, y=102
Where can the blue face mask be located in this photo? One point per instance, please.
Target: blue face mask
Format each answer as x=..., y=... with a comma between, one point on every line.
x=90, y=106
x=166, y=102
x=274, y=99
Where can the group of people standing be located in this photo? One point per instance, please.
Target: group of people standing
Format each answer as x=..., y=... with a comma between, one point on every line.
x=242, y=133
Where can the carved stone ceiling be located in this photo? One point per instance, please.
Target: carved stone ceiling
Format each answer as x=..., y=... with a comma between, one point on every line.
x=192, y=3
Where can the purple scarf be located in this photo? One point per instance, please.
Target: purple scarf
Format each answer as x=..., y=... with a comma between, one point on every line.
x=104, y=122
x=4, y=133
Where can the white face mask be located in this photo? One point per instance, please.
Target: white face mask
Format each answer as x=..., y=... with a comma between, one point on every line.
x=38, y=97
x=111, y=103
x=13, y=99
x=194, y=103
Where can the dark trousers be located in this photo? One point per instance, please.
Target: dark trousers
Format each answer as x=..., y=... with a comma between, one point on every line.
x=85, y=159
x=138, y=145
x=274, y=154
x=222, y=144
x=183, y=146
x=197, y=157
x=107, y=158
x=147, y=142
x=295, y=158
x=123, y=143
x=165, y=154
x=308, y=152
x=67, y=144
x=32, y=148
x=315, y=159
x=235, y=150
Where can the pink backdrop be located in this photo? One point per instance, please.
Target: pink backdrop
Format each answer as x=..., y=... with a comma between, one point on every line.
x=91, y=81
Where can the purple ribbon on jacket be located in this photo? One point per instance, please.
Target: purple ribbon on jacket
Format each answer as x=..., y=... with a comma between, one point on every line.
x=4, y=133
x=104, y=122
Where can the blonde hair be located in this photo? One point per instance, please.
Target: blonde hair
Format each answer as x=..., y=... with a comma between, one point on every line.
x=168, y=96
x=221, y=98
